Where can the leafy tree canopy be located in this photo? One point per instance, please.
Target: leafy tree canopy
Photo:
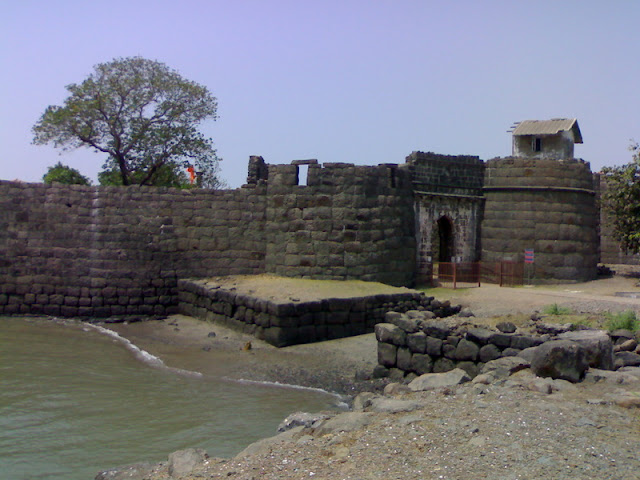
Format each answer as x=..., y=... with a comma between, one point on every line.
x=622, y=200
x=142, y=115
x=63, y=174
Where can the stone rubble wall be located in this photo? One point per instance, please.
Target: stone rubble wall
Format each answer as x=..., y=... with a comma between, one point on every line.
x=414, y=343
x=295, y=322
x=410, y=344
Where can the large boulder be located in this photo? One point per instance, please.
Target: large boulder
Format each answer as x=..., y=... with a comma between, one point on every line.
x=431, y=381
x=298, y=419
x=505, y=366
x=627, y=359
x=392, y=405
x=597, y=344
x=183, y=462
x=562, y=359
x=345, y=422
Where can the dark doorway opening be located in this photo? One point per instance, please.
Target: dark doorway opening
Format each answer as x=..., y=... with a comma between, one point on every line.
x=443, y=241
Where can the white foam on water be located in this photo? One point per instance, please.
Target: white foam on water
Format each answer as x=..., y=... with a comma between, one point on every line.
x=141, y=354
x=340, y=402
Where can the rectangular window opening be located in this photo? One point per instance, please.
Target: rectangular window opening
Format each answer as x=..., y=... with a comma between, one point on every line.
x=303, y=174
x=537, y=144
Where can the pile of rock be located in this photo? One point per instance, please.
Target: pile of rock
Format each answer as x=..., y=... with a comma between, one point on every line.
x=626, y=348
x=415, y=343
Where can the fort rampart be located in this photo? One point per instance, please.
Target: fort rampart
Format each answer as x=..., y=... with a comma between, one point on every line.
x=119, y=251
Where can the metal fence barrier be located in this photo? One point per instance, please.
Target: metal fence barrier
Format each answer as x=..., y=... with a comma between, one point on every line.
x=502, y=273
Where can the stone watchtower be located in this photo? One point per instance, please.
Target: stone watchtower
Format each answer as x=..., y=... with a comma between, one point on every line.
x=542, y=199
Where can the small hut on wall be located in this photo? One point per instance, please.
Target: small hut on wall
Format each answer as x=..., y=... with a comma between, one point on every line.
x=553, y=138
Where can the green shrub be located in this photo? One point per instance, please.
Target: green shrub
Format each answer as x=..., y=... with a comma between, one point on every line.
x=623, y=321
x=556, y=310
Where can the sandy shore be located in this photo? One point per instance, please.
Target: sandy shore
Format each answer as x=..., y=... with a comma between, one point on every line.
x=339, y=366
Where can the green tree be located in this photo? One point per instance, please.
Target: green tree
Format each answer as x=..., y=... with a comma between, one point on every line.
x=142, y=115
x=621, y=199
x=64, y=174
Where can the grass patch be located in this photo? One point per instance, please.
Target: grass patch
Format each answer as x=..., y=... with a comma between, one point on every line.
x=556, y=310
x=623, y=321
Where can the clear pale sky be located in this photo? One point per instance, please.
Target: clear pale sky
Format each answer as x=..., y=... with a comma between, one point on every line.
x=358, y=81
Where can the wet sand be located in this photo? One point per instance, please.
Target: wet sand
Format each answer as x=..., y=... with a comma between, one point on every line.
x=344, y=365
x=339, y=366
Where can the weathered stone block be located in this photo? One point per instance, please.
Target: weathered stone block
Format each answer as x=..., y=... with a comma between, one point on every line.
x=280, y=336
x=403, y=359
x=488, y=352
x=480, y=336
x=524, y=341
x=439, y=380
x=434, y=346
x=389, y=333
x=434, y=328
x=421, y=364
x=443, y=364
x=597, y=345
x=286, y=321
x=407, y=324
x=472, y=368
x=449, y=351
x=387, y=354
x=562, y=359
x=466, y=350
x=452, y=340
x=337, y=317
x=417, y=342
x=501, y=340
x=336, y=331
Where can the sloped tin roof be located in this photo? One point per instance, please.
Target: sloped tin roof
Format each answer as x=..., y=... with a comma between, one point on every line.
x=549, y=127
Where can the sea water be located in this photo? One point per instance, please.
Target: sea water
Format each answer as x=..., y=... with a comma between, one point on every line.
x=75, y=400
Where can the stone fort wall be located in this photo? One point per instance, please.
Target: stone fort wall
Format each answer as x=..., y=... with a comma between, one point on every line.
x=116, y=251
x=119, y=251
x=347, y=222
x=105, y=251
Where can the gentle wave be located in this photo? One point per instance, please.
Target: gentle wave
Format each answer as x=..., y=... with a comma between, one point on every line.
x=141, y=354
x=157, y=362
x=340, y=399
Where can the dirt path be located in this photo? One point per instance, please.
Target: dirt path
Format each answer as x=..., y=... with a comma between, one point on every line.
x=591, y=297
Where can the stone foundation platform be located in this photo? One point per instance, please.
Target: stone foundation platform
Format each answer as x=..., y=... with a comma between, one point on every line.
x=283, y=320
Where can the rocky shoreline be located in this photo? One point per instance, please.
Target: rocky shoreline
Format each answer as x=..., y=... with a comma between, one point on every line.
x=516, y=426
x=507, y=423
